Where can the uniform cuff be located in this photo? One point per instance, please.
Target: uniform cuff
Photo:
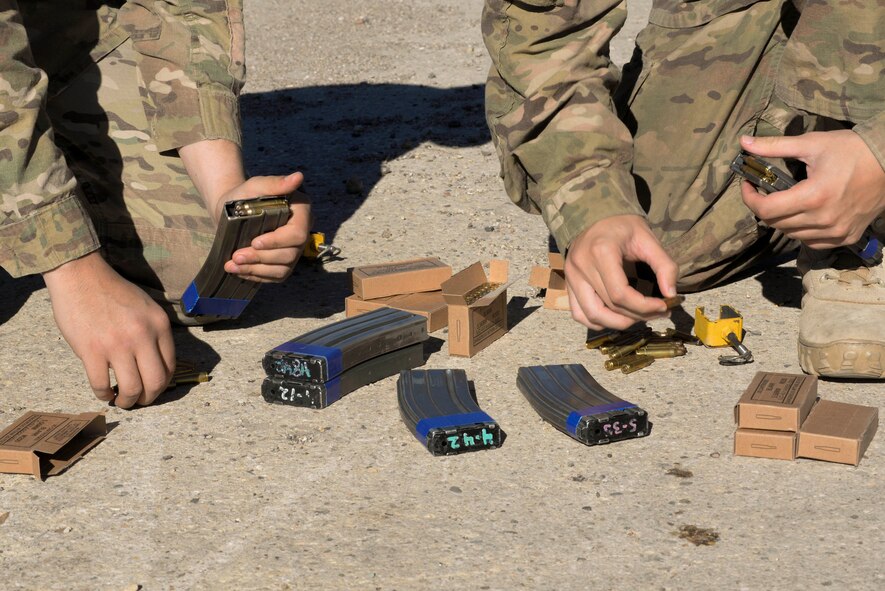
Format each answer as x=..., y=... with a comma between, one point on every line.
x=47, y=238
x=872, y=131
x=216, y=115
x=597, y=194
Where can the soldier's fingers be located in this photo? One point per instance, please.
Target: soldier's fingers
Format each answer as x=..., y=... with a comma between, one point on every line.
x=155, y=375
x=99, y=377
x=277, y=256
x=167, y=352
x=273, y=185
x=578, y=314
x=815, y=235
x=821, y=244
x=665, y=269
x=262, y=273
x=129, y=386
x=797, y=223
x=293, y=233
x=782, y=204
x=622, y=298
x=796, y=146
x=594, y=307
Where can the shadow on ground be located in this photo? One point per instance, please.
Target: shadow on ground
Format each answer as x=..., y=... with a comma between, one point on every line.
x=340, y=137
x=15, y=292
x=782, y=286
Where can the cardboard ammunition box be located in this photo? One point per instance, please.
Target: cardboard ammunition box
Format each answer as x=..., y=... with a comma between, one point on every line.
x=540, y=277
x=477, y=307
x=429, y=304
x=776, y=401
x=400, y=277
x=838, y=432
x=557, y=292
x=759, y=443
x=552, y=279
x=556, y=261
x=45, y=444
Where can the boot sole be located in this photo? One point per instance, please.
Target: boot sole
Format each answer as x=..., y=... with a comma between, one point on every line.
x=843, y=360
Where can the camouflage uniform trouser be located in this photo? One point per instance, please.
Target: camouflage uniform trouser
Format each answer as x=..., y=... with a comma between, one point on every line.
x=680, y=167
x=152, y=223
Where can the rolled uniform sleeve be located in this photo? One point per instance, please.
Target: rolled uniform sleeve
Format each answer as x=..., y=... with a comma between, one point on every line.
x=873, y=133
x=42, y=221
x=564, y=152
x=191, y=67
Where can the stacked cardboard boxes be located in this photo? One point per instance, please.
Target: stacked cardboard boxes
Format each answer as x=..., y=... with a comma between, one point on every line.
x=413, y=285
x=472, y=303
x=779, y=416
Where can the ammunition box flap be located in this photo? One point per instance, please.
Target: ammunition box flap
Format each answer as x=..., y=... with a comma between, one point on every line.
x=540, y=277
x=556, y=260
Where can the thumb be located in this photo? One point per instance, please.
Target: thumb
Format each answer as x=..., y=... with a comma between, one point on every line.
x=274, y=185
x=796, y=146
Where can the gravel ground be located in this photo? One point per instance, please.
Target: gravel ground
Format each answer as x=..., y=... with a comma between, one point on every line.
x=380, y=104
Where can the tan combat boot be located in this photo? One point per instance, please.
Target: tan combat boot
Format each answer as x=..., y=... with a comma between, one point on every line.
x=842, y=325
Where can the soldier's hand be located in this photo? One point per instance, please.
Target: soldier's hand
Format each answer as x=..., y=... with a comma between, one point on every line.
x=271, y=257
x=112, y=324
x=599, y=293
x=843, y=194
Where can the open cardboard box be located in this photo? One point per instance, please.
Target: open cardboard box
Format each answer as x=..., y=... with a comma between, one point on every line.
x=552, y=279
x=476, y=321
x=45, y=444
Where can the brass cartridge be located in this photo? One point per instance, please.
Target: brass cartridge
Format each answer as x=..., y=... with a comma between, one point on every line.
x=196, y=377
x=611, y=364
x=637, y=364
x=621, y=341
x=246, y=208
x=674, y=302
x=596, y=341
x=662, y=350
x=623, y=350
x=479, y=291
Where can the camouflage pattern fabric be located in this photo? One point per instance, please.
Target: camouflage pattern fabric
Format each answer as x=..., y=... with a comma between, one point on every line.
x=94, y=98
x=703, y=73
x=152, y=223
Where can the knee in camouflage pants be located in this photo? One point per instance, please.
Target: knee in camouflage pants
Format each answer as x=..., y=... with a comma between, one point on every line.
x=153, y=226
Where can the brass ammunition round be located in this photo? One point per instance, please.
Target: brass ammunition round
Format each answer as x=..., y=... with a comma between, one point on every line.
x=597, y=342
x=665, y=344
x=479, y=291
x=674, y=302
x=611, y=364
x=662, y=352
x=626, y=349
x=640, y=362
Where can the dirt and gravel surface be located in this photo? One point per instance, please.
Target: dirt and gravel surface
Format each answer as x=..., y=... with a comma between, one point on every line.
x=380, y=104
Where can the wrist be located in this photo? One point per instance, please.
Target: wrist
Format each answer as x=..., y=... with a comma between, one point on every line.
x=76, y=269
x=216, y=168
